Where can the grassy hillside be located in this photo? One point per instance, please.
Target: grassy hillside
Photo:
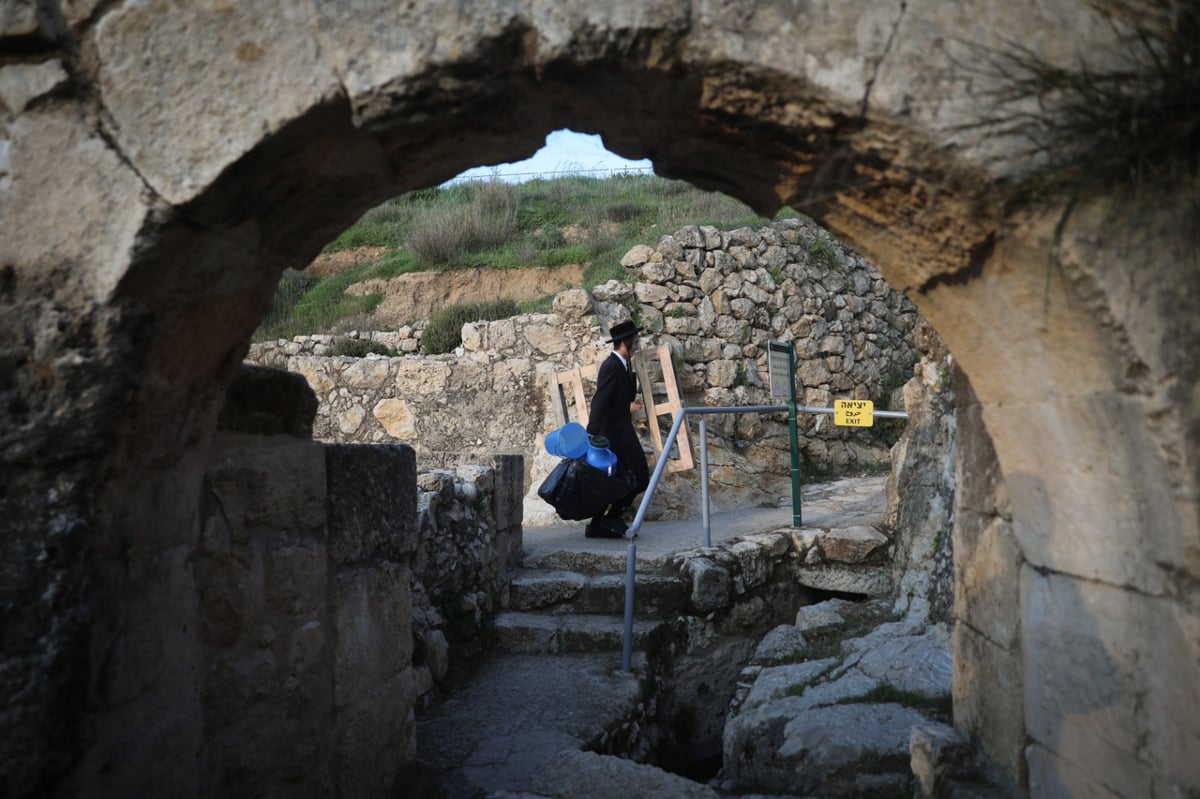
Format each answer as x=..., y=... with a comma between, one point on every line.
x=589, y=221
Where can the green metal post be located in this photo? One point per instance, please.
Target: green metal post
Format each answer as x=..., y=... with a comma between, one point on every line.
x=794, y=438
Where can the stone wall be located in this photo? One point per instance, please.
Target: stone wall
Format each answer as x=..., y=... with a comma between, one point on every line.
x=922, y=486
x=303, y=575
x=469, y=517
x=716, y=298
x=337, y=587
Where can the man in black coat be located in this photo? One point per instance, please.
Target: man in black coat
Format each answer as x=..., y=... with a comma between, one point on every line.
x=616, y=389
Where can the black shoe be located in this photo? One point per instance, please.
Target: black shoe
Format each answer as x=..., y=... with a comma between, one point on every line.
x=615, y=522
x=594, y=530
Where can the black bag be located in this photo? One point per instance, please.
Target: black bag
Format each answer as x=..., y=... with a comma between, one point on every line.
x=577, y=490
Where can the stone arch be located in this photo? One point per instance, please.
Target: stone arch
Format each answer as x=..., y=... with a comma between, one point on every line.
x=210, y=150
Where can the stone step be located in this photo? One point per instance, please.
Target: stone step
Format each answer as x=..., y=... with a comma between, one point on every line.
x=612, y=561
x=519, y=632
x=655, y=595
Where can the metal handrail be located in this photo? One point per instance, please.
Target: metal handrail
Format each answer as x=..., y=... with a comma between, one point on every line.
x=668, y=442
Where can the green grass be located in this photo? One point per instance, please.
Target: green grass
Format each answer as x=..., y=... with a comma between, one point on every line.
x=940, y=707
x=541, y=223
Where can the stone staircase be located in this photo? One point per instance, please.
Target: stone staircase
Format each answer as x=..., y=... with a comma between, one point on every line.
x=564, y=611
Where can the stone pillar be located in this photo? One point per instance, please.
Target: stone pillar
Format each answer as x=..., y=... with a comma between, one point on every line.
x=988, y=668
x=372, y=534
x=262, y=571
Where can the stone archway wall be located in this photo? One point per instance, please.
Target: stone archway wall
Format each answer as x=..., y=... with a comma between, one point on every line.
x=160, y=167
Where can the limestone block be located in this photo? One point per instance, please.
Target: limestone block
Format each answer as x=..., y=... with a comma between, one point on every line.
x=543, y=589
x=802, y=540
x=920, y=663
x=472, y=337
x=710, y=281
x=813, y=373
x=396, y=418
x=819, y=618
x=691, y=237
x=38, y=236
x=1106, y=672
x=509, y=481
x=351, y=419
x=374, y=737
x=546, y=339
x=502, y=333
x=684, y=271
x=651, y=293
x=317, y=371
x=437, y=654
x=753, y=561
x=370, y=608
x=18, y=18
x=258, y=484
x=20, y=84
x=1053, y=501
x=784, y=644
x=189, y=94
x=711, y=584
x=776, y=682
x=722, y=373
x=681, y=326
x=851, y=544
x=826, y=739
x=572, y=305
x=234, y=676
x=652, y=319
x=757, y=296
x=744, y=615
x=869, y=580
x=294, y=578
x=372, y=507
x=987, y=566
x=938, y=752
x=367, y=373
x=421, y=376
x=637, y=256
x=730, y=328
x=776, y=544
x=612, y=291
x=659, y=271
x=741, y=308
x=988, y=691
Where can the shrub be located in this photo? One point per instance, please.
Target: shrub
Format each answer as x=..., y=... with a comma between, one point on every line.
x=445, y=235
x=293, y=285
x=822, y=252
x=1129, y=125
x=444, y=332
x=359, y=348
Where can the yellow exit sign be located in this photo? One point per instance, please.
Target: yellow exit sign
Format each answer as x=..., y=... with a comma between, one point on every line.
x=854, y=413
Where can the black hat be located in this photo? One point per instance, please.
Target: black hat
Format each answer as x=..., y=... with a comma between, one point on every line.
x=622, y=331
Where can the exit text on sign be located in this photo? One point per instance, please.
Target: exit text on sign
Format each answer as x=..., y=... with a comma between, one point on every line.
x=854, y=413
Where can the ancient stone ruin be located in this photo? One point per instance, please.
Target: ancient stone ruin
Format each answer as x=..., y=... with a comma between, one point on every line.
x=715, y=298
x=161, y=166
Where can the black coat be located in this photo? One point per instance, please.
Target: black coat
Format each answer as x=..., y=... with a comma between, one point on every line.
x=609, y=416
